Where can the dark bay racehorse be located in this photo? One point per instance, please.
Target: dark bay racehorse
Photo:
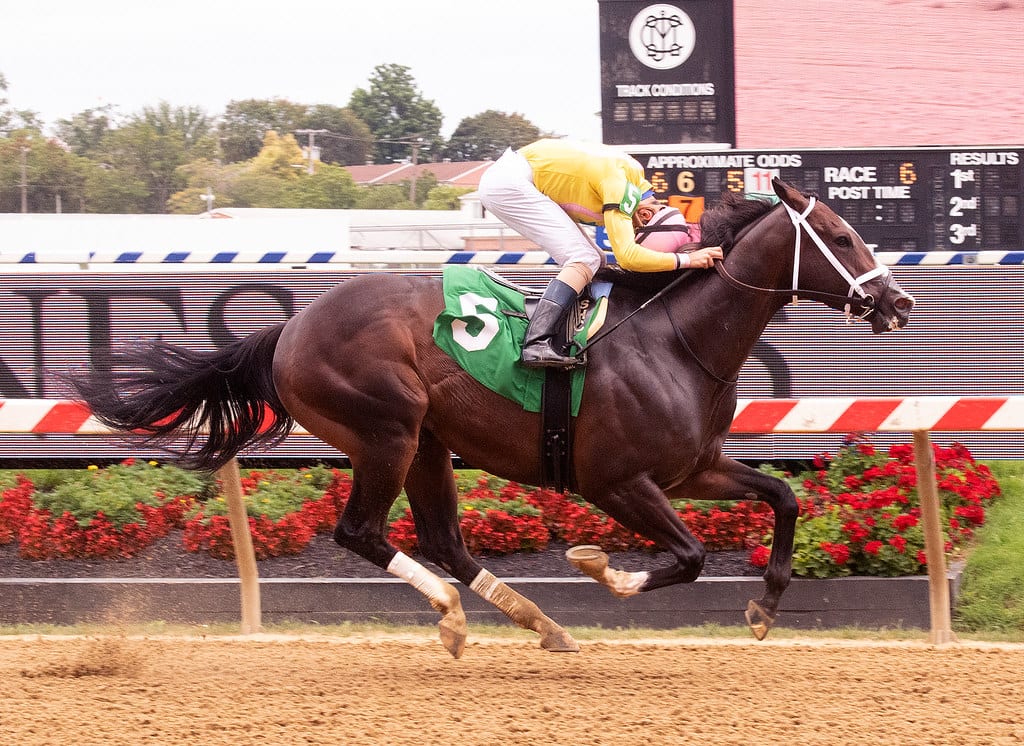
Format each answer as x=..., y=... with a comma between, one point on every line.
x=359, y=369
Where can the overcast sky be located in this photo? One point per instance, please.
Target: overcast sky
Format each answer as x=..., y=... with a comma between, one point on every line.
x=539, y=58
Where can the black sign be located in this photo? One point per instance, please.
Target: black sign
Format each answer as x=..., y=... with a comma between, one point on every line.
x=667, y=72
x=918, y=199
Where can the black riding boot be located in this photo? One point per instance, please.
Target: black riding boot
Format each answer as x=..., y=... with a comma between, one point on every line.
x=545, y=339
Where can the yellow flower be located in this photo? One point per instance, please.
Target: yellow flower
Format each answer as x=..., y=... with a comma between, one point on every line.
x=152, y=463
x=92, y=467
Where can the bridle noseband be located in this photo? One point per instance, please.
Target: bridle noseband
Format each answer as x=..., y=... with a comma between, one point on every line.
x=864, y=302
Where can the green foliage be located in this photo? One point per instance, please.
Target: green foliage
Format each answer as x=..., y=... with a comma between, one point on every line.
x=329, y=188
x=85, y=131
x=384, y=197
x=444, y=197
x=515, y=507
x=397, y=114
x=280, y=157
x=485, y=136
x=114, y=491
x=992, y=592
x=348, y=139
x=244, y=125
x=423, y=184
x=272, y=494
x=163, y=158
x=814, y=533
x=153, y=144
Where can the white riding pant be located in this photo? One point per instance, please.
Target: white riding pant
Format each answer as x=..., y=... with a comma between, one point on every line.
x=507, y=190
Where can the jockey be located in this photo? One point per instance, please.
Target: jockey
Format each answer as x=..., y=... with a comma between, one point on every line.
x=545, y=189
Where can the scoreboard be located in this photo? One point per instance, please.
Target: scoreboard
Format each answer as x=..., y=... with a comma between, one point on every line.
x=907, y=200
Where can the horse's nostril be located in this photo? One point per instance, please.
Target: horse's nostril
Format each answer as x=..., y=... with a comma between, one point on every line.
x=904, y=303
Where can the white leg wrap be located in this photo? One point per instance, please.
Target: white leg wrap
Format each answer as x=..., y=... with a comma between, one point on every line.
x=420, y=578
x=484, y=585
x=624, y=584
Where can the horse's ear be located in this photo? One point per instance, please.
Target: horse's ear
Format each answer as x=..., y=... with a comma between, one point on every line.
x=788, y=194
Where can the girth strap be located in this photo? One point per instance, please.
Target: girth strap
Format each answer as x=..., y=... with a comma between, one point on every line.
x=556, y=431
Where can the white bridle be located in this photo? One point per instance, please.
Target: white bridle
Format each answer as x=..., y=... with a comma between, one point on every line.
x=800, y=220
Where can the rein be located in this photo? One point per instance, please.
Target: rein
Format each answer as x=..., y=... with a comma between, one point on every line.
x=605, y=332
x=864, y=302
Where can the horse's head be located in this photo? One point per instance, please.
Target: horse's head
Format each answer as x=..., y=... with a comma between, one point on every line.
x=831, y=263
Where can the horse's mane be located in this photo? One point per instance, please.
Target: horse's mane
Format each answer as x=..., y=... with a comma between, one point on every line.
x=732, y=213
x=719, y=226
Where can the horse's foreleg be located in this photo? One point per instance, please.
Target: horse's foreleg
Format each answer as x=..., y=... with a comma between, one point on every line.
x=731, y=480
x=641, y=506
x=590, y=560
x=430, y=487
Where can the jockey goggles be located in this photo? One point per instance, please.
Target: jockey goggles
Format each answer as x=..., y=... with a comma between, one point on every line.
x=667, y=231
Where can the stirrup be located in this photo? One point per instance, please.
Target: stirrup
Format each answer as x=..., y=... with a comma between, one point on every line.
x=542, y=356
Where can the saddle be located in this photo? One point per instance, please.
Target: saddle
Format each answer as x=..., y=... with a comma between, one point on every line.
x=556, y=411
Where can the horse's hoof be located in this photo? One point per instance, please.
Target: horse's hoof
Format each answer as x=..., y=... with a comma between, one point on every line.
x=559, y=641
x=453, y=634
x=760, y=621
x=588, y=559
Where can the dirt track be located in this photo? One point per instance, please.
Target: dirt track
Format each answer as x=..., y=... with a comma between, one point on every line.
x=408, y=691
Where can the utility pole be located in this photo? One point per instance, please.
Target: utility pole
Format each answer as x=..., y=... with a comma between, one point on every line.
x=312, y=134
x=24, y=178
x=415, y=159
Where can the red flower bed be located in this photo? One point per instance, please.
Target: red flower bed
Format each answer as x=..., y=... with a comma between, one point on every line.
x=861, y=514
x=15, y=504
x=41, y=536
x=289, y=534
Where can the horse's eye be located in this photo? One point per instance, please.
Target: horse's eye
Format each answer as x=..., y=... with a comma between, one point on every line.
x=843, y=242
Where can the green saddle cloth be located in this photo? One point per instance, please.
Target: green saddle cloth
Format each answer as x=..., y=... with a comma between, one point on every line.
x=482, y=328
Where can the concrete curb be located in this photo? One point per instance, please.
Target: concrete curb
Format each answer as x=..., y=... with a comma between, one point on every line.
x=808, y=604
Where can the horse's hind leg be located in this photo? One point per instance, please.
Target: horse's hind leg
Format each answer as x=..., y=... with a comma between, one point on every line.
x=430, y=487
x=363, y=527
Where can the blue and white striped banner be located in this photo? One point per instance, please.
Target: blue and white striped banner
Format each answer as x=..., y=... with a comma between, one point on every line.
x=425, y=257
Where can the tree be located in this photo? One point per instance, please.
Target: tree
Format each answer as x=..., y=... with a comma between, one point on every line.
x=281, y=156
x=201, y=176
x=245, y=123
x=330, y=188
x=84, y=132
x=154, y=143
x=487, y=135
x=384, y=197
x=398, y=115
x=348, y=139
x=15, y=119
x=53, y=178
x=445, y=197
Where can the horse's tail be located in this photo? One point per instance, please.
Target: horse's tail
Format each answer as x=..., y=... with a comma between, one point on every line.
x=215, y=402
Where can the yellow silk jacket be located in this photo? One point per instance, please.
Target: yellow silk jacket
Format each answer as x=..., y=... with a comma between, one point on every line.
x=597, y=185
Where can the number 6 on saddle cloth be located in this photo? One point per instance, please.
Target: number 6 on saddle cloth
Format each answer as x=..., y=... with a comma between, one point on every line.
x=482, y=328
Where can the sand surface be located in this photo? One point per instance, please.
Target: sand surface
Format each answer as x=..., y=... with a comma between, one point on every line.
x=407, y=690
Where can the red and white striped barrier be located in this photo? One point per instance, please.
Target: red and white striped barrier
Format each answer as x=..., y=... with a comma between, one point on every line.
x=883, y=414
x=815, y=415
